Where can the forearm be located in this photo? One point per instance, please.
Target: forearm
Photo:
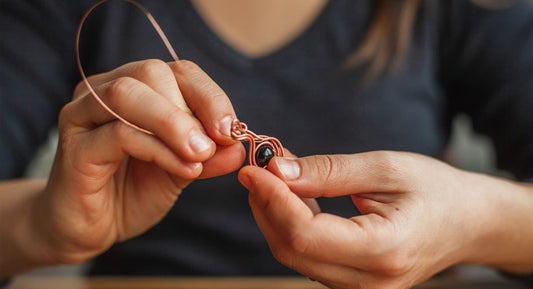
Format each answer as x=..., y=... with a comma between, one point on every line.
x=21, y=245
x=506, y=223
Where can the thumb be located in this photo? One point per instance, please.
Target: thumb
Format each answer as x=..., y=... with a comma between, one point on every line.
x=339, y=175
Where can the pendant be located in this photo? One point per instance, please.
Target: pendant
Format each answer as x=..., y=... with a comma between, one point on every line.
x=262, y=148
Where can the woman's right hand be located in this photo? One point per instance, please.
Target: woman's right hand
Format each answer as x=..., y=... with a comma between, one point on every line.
x=111, y=182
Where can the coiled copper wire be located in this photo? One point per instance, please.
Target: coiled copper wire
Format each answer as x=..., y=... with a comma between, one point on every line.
x=240, y=132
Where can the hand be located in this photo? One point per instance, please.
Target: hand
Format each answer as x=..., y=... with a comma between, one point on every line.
x=110, y=182
x=419, y=216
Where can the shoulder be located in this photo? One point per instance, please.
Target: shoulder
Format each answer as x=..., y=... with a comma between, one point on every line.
x=468, y=17
x=474, y=32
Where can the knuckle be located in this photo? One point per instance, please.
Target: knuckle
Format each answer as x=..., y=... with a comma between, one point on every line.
x=298, y=242
x=289, y=249
x=64, y=116
x=391, y=168
x=153, y=69
x=212, y=91
x=205, y=84
x=122, y=133
x=323, y=166
x=65, y=126
x=187, y=66
x=207, y=89
x=387, y=160
x=168, y=119
x=118, y=90
x=284, y=256
x=326, y=167
x=121, y=86
x=391, y=252
x=395, y=263
x=80, y=87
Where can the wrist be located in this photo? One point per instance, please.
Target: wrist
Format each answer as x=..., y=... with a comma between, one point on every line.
x=56, y=242
x=33, y=234
x=22, y=246
x=501, y=224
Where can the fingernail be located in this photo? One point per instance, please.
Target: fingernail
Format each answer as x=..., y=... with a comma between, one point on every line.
x=194, y=166
x=199, y=142
x=289, y=168
x=225, y=125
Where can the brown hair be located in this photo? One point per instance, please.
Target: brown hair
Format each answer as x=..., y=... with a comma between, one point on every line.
x=389, y=34
x=388, y=37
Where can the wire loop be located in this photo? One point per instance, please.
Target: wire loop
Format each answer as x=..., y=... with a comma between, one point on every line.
x=240, y=132
x=82, y=72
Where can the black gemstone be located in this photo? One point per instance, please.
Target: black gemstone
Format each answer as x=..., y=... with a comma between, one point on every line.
x=263, y=155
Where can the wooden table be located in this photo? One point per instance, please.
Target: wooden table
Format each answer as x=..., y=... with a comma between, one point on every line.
x=456, y=279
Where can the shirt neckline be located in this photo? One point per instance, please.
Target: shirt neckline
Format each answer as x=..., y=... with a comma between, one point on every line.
x=217, y=47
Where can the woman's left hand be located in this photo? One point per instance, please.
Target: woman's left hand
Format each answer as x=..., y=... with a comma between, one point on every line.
x=419, y=216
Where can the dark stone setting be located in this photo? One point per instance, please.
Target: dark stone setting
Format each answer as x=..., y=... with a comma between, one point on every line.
x=263, y=155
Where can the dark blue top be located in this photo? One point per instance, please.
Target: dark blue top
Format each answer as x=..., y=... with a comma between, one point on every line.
x=462, y=58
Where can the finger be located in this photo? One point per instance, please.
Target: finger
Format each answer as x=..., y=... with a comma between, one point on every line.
x=206, y=99
x=330, y=274
x=142, y=106
x=227, y=159
x=310, y=202
x=327, y=273
x=115, y=141
x=274, y=198
x=154, y=73
x=339, y=175
x=351, y=242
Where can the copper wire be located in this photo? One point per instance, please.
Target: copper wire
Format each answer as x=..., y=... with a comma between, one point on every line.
x=240, y=132
x=80, y=67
